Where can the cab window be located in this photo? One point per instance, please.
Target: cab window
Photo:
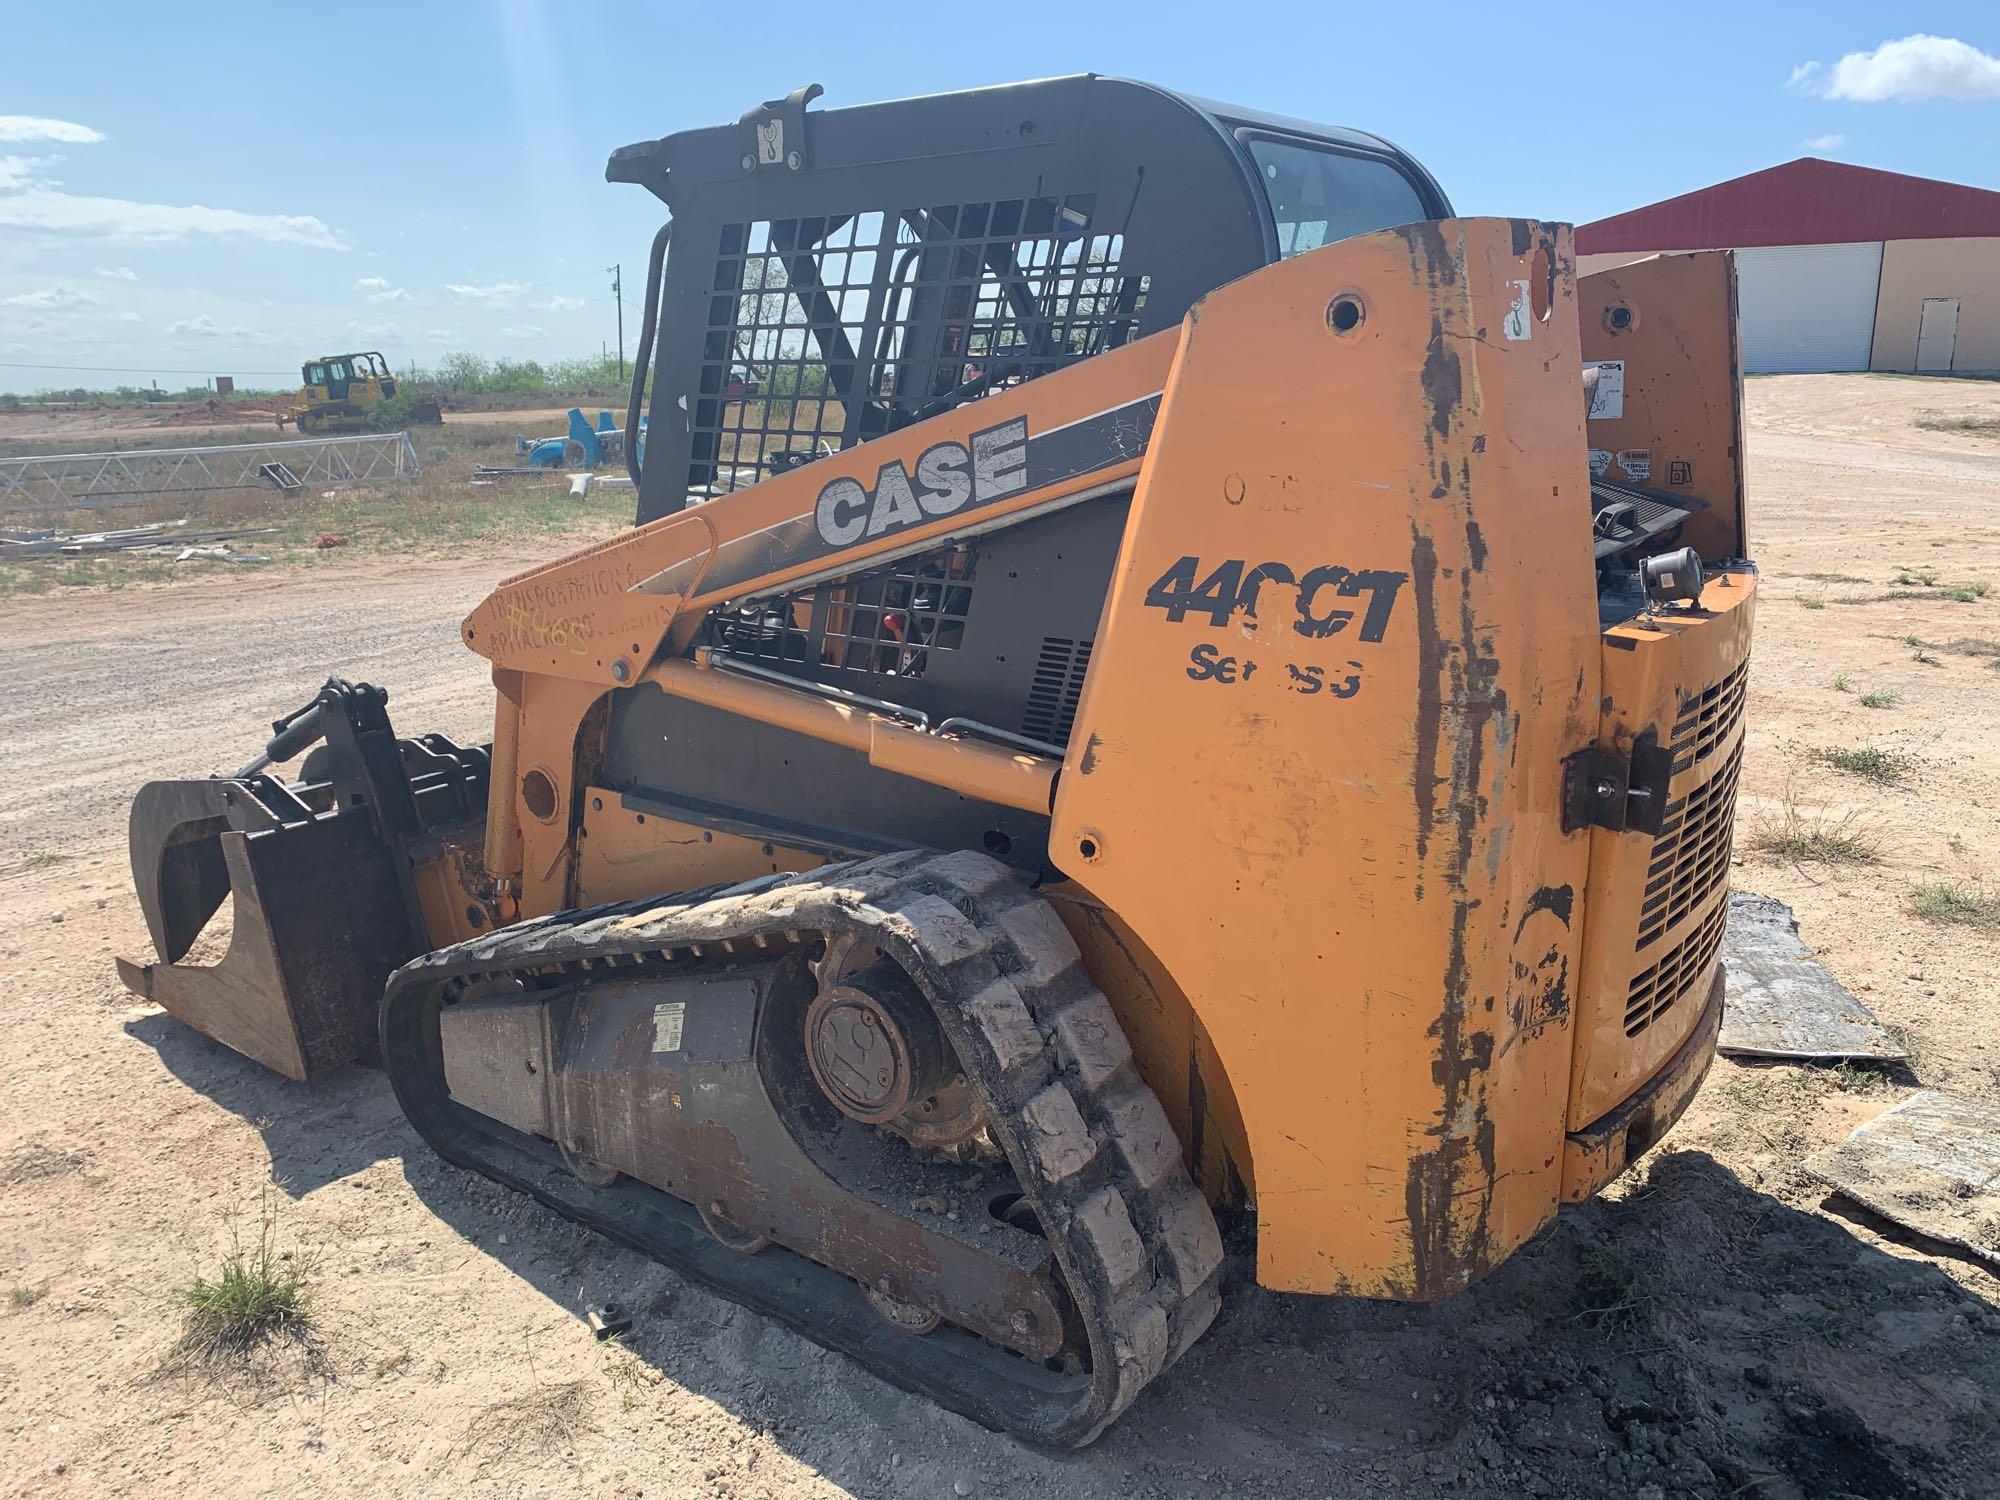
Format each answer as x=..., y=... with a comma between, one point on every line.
x=316, y=374
x=1319, y=195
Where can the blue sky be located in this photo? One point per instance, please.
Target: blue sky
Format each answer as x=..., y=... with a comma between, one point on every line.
x=273, y=181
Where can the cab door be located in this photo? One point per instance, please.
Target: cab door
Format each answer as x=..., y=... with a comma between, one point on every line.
x=339, y=379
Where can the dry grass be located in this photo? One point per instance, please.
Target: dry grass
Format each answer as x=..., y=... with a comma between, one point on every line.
x=1881, y=698
x=1956, y=902
x=439, y=511
x=1869, y=762
x=630, y=1376
x=1804, y=834
x=1937, y=421
x=1957, y=593
x=541, y=1421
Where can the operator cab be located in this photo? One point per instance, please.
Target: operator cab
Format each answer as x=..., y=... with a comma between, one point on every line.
x=867, y=268
x=335, y=374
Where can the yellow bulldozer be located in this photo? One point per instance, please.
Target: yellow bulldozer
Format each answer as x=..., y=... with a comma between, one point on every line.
x=341, y=393
x=1189, y=733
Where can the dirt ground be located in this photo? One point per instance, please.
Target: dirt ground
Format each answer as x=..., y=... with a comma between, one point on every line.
x=1713, y=1326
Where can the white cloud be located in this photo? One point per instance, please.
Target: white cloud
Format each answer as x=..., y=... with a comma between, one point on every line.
x=19, y=171
x=1824, y=142
x=49, y=298
x=565, y=304
x=440, y=335
x=378, y=289
x=202, y=326
x=123, y=221
x=498, y=291
x=372, y=284
x=1913, y=69
x=36, y=128
x=387, y=332
x=118, y=273
x=521, y=331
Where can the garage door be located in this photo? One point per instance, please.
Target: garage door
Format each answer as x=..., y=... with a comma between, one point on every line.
x=1808, y=307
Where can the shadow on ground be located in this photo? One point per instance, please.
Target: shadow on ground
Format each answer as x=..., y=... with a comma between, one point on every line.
x=316, y=1132
x=1694, y=1337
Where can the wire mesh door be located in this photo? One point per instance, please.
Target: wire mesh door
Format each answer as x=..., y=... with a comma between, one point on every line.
x=826, y=331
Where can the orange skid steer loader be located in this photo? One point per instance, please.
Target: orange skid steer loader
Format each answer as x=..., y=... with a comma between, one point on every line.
x=1198, y=702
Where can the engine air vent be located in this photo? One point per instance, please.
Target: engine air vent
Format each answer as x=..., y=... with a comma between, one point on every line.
x=1052, y=697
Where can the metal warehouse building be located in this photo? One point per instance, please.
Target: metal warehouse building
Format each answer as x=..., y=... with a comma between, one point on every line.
x=1838, y=267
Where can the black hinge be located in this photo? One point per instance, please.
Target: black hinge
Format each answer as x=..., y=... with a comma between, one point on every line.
x=774, y=133
x=1626, y=794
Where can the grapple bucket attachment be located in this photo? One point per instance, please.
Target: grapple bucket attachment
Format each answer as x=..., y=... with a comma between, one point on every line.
x=317, y=873
x=318, y=921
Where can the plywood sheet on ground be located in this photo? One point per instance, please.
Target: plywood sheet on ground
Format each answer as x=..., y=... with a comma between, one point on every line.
x=1931, y=1164
x=1781, y=1001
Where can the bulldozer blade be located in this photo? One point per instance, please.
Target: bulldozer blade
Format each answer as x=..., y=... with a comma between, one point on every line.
x=318, y=920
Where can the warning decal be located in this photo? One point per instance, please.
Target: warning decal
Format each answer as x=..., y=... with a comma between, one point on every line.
x=1607, y=398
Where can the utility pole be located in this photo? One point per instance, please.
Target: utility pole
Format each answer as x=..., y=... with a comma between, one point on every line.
x=618, y=291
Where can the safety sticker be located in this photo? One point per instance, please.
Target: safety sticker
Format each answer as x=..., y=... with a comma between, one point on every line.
x=1600, y=460
x=668, y=1019
x=1607, y=398
x=1518, y=321
x=1637, y=464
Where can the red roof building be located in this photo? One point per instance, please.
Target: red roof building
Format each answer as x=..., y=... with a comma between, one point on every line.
x=1839, y=267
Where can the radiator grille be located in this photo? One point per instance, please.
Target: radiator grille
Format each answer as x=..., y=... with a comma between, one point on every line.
x=1707, y=717
x=1654, y=991
x=1691, y=854
x=885, y=622
x=1059, y=672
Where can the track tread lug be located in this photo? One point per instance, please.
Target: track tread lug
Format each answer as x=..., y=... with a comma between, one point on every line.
x=1056, y=1133
x=1104, y=1226
x=1143, y=1137
x=972, y=873
x=1041, y=940
x=949, y=937
x=1090, y=1040
x=1003, y=1020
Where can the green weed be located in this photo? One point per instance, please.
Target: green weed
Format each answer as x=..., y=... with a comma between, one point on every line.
x=257, y=1295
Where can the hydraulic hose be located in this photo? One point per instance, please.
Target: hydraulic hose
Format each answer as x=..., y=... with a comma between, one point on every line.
x=642, y=357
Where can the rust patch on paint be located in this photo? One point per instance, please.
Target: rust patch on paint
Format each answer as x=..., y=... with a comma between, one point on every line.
x=1430, y=694
x=1448, y=1193
x=1442, y=379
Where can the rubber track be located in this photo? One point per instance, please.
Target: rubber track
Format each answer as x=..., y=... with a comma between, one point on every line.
x=1089, y=1142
